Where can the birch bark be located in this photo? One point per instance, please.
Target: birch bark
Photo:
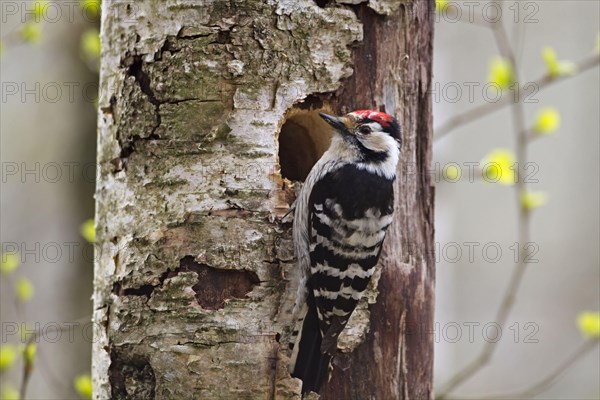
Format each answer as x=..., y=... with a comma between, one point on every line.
x=194, y=273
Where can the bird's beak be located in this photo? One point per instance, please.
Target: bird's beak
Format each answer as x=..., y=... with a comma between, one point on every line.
x=335, y=122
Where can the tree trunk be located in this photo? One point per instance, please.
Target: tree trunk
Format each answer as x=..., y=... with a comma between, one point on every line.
x=205, y=109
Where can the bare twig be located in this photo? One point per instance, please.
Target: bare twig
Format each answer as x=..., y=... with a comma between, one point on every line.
x=546, y=382
x=508, y=299
x=519, y=34
x=523, y=91
x=28, y=364
x=27, y=368
x=523, y=136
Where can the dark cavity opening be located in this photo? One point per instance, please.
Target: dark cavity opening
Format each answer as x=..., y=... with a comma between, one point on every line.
x=303, y=139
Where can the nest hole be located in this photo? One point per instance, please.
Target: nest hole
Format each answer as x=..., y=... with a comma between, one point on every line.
x=303, y=139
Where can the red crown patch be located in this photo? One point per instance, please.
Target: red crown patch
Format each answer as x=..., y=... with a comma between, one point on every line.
x=377, y=116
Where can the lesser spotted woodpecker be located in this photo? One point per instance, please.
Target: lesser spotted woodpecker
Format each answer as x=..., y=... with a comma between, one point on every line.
x=341, y=217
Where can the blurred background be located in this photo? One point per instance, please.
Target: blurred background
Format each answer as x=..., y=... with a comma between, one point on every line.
x=563, y=278
x=49, y=83
x=49, y=72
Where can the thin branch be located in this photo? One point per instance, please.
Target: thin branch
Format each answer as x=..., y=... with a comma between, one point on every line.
x=516, y=278
x=28, y=364
x=523, y=91
x=545, y=383
x=519, y=34
x=523, y=136
x=532, y=135
x=503, y=43
x=27, y=369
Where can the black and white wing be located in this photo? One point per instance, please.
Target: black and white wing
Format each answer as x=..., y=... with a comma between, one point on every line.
x=350, y=211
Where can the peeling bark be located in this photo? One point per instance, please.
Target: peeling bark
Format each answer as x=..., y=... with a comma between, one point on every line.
x=194, y=273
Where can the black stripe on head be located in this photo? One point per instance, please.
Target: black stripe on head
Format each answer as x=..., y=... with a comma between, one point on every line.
x=368, y=154
x=372, y=156
x=392, y=128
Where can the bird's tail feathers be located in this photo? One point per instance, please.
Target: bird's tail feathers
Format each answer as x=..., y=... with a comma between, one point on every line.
x=307, y=361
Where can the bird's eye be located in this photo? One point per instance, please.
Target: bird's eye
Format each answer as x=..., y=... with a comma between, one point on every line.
x=365, y=129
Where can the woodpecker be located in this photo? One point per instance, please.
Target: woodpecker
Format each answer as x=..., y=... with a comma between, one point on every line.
x=341, y=217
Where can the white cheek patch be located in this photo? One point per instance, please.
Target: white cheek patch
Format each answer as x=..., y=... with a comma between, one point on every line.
x=376, y=141
x=381, y=142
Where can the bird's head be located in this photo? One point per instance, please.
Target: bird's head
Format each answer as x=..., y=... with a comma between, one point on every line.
x=373, y=136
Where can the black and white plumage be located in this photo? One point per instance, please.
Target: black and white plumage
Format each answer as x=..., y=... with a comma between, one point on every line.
x=340, y=221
